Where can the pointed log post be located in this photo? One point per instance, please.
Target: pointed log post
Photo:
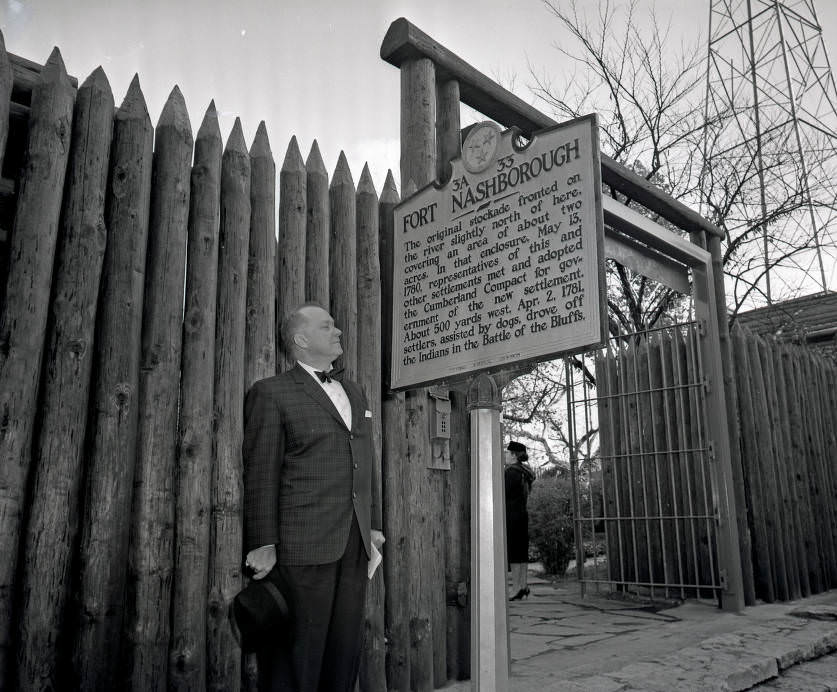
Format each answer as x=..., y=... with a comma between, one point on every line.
x=317, y=228
x=342, y=261
x=260, y=346
x=290, y=253
x=65, y=389
x=193, y=472
x=260, y=329
x=224, y=655
x=394, y=451
x=105, y=526
x=24, y=318
x=6, y=83
x=372, y=667
x=151, y=552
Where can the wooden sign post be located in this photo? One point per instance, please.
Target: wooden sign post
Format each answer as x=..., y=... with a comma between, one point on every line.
x=498, y=268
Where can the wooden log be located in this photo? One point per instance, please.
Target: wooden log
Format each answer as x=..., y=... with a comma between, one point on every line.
x=668, y=546
x=151, y=553
x=290, y=254
x=784, y=466
x=829, y=392
x=418, y=166
x=24, y=318
x=418, y=122
x=260, y=328
x=634, y=465
x=606, y=410
x=671, y=493
x=699, y=470
x=824, y=510
x=801, y=506
x=393, y=455
x=650, y=464
x=762, y=461
x=771, y=472
x=317, y=228
x=106, y=513
x=447, y=639
x=6, y=83
x=805, y=499
x=419, y=552
x=342, y=261
x=226, y=531
x=260, y=337
x=685, y=460
x=372, y=665
x=193, y=472
x=65, y=388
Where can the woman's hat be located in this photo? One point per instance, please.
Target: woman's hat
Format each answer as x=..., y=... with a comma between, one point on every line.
x=516, y=447
x=262, y=612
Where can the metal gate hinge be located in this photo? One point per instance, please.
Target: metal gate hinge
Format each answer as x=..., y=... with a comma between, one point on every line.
x=722, y=577
x=701, y=327
x=707, y=387
x=710, y=452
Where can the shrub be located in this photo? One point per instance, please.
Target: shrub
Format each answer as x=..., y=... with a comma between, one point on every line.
x=551, y=522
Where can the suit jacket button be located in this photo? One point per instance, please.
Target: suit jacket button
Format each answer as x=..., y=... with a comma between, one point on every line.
x=354, y=494
x=355, y=465
x=351, y=437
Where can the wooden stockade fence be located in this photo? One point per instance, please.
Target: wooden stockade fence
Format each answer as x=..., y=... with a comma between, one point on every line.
x=657, y=508
x=788, y=414
x=142, y=284
x=656, y=499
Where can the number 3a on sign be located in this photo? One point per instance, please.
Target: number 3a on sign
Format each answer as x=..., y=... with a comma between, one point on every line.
x=419, y=217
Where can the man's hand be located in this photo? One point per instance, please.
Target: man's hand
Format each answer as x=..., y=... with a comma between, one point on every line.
x=377, y=538
x=261, y=560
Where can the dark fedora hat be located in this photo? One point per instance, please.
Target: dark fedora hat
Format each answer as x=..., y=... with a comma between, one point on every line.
x=262, y=611
x=516, y=447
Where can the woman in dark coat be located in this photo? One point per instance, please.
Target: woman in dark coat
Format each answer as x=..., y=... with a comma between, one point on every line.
x=518, y=479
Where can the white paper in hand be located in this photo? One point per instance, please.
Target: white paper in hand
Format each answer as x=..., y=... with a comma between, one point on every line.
x=374, y=561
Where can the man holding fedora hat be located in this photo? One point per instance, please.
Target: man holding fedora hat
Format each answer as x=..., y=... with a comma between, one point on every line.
x=308, y=459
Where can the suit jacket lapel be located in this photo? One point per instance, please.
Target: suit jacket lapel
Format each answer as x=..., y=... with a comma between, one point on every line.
x=317, y=393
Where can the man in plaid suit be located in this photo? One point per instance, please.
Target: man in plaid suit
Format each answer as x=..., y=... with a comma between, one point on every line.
x=307, y=506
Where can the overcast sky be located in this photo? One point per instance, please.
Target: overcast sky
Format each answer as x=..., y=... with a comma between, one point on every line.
x=309, y=68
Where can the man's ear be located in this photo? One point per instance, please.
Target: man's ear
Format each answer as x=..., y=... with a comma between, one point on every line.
x=300, y=341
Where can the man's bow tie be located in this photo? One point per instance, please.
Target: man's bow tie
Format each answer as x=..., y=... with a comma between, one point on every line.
x=330, y=376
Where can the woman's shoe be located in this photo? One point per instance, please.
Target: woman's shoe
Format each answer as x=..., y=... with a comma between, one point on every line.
x=523, y=593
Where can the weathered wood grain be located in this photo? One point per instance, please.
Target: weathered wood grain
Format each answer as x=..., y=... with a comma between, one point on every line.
x=260, y=327
x=65, y=388
x=342, y=261
x=290, y=253
x=193, y=470
x=224, y=655
x=151, y=555
x=24, y=318
x=317, y=228
x=106, y=513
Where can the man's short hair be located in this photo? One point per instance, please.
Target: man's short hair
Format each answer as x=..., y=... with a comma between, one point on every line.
x=292, y=324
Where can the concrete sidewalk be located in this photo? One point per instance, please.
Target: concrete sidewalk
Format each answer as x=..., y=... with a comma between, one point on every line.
x=560, y=641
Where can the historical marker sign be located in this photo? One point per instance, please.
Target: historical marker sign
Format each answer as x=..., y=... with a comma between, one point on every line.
x=504, y=263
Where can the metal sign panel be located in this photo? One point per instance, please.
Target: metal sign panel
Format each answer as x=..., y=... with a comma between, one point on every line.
x=504, y=262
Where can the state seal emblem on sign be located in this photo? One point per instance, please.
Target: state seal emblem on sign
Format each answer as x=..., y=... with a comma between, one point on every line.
x=479, y=146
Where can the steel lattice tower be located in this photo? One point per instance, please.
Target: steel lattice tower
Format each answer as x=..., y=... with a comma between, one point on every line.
x=770, y=147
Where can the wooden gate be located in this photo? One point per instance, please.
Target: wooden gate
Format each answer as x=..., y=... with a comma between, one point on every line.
x=652, y=491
